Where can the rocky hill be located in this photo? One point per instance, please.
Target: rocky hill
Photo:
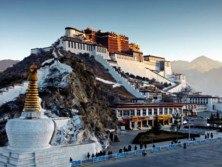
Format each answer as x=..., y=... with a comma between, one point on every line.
x=62, y=92
x=202, y=74
x=4, y=64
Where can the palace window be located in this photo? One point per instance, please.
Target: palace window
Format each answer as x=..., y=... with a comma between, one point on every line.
x=161, y=111
x=150, y=112
x=83, y=46
x=138, y=112
x=72, y=44
x=155, y=111
x=171, y=110
x=126, y=112
x=144, y=112
x=75, y=45
x=165, y=111
x=119, y=114
x=69, y=44
x=132, y=112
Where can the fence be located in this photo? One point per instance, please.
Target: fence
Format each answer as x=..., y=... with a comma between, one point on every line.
x=148, y=150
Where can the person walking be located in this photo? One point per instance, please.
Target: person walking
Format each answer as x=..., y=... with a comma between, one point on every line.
x=93, y=155
x=141, y=145
x=144, y=152
x=129, y=147
x=88, y=155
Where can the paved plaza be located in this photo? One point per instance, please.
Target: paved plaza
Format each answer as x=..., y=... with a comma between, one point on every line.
x=208, y=155
x=127, y=138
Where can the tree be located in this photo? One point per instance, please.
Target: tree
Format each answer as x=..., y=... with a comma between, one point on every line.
x=156, y=127
x=211, y=120
x=217, y=116
x=176, y=124
x=184, y=93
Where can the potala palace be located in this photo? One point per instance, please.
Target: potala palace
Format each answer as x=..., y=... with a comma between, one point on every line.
x=37, y=140
x=115, y=52
x=119, y=57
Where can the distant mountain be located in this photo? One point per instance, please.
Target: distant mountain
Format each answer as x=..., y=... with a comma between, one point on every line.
x=203, y=74
x=4, y=64
x=201, y=64
x=204, y=64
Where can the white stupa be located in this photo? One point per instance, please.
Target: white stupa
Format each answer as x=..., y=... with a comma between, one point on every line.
x=31, y=131
x=30, y=136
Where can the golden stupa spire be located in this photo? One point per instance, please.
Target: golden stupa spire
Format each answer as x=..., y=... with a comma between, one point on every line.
x=32, y=97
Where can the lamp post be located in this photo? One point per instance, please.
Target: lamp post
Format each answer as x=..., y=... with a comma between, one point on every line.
x=189, y=127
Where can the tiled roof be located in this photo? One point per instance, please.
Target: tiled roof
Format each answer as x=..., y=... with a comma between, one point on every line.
x=137, y=105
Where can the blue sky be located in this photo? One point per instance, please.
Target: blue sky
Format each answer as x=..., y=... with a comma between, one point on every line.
x=174, y=29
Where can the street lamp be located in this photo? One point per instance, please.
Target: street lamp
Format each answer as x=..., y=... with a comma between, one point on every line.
x=189, y=127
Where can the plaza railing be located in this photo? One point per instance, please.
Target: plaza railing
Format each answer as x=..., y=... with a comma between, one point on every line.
x=130, y=154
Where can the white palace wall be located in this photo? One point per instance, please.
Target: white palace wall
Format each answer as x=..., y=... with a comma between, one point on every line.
x=94, y=51
x=139, y=68
x=119, y=78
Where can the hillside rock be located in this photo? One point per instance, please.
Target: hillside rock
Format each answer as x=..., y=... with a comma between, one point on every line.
x=62, y=92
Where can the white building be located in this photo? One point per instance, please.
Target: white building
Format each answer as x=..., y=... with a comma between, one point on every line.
x=138, y=116
x=77, y=46
x=208, y=100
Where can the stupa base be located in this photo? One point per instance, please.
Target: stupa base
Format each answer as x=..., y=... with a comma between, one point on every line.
x=55, y=156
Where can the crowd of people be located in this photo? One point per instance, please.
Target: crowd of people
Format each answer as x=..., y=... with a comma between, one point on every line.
x=207, y=136
x=98, y=154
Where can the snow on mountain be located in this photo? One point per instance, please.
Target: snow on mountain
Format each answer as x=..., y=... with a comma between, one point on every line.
x=12, y=92
x=52, y=72
x=108, y=82
x=61, y=69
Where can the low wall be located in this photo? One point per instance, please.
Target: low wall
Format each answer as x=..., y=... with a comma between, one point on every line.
x=177, y=88
x=39, y=50
x=79, y=152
